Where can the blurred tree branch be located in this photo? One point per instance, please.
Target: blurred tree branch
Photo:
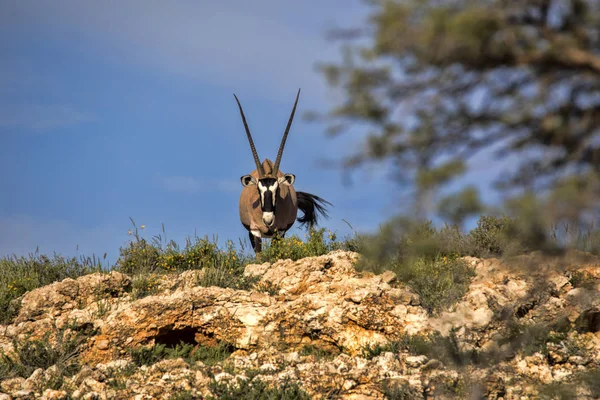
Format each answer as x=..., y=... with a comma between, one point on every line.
x=434, y=83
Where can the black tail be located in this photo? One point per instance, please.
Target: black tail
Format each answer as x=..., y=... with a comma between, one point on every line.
x=311, y=206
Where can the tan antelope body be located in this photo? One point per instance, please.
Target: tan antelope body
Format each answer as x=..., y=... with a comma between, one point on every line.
x=251, y=213
x=269, y=203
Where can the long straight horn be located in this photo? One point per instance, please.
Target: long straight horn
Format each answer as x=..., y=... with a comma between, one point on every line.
x=259, y=167
x=287, y=130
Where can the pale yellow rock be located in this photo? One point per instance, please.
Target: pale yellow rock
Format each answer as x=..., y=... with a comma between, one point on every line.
x=312, y=329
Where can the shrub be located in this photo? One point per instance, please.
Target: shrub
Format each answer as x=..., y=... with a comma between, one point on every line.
x=31, y=354
x=491, y=236
x=138, y=256
x=420, y=261
x=19, y=275
x=399, y=391
x=439, y=282
x=209, y=355
x=320, y=353
x=318, y=243
x=257, y=390
x=144, y=285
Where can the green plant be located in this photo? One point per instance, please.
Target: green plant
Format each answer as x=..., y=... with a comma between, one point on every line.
x=29, y=354
x=145, y=285
x=184, y=395
x=398, y=391
x=372, y=351
x=19, y=275
x=267, y=287
x=439, y=282
x=320, y=353
x=117, y=377
x=318, y=242
x=209, y=355
x=492, y=235
x=139, y=256
x=257, y=390
x=570, y=388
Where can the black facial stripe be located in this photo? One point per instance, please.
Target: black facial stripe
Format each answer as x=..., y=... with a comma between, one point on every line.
x=267, y=199
x=268, y=205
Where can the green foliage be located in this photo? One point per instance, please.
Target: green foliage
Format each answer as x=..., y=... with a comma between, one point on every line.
x=569, y=388
x=117, y=377
x=141, y=256
x=428, y=259
x=439, y=282
x=515, y=337
x=145, y=259
x=399, y=391
x=209, y=355
x=319, y=352
x=138, y=256
x=492, y=235
x=21, y=274
x=456, y=207
x=257, y=390
x=31, y=354
x=184, y=395
x=435, y=84
x=371, y=351
x=144, y=285
x=318, y=242
x=424, y=258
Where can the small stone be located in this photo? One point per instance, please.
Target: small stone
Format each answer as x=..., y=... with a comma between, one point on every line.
x=103, y=344
x=50, y=394
x=349, y=384
x=388, y=277
x=415, y=361
x=22, y=394
x=433, y=364
x=223, y=376
x=34, y=380
x=268, y=367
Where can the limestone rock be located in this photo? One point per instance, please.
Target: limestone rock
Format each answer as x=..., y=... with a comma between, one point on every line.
x=336, y=332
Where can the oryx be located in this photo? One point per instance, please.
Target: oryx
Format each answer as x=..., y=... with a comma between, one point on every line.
x=268, y=202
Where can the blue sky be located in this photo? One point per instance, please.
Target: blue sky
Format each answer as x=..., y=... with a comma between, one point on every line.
x=111, y=110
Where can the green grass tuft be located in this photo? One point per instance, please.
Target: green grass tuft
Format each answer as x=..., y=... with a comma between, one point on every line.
x=31, y=354
x=209, y=355
x=257, y=390
x=318, y=242
x=19, y=275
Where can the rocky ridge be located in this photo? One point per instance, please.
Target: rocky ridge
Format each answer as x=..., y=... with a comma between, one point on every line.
x=317, y=322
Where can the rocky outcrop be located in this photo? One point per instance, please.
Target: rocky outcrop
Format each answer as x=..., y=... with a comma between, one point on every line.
x=320, y=323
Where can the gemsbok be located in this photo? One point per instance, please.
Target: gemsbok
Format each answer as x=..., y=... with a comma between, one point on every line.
x=269, y=203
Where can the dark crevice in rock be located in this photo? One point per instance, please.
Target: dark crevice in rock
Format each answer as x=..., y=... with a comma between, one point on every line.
x=523, y=309
x=172, y=337
x=589, y=321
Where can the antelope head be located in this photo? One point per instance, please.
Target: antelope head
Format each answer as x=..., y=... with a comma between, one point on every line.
x=268, y=183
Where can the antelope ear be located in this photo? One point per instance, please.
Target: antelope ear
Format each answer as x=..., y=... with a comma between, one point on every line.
x=248, y=180
x=287, y=179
